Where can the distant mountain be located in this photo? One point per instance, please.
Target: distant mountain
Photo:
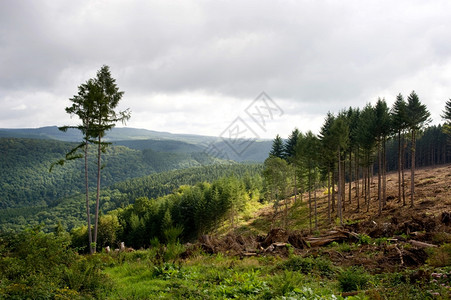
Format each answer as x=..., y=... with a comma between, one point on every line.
x=141, y=139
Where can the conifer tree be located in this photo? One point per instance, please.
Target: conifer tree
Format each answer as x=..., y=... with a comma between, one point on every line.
x=105, y=102
x=277, y=149
x=399, y=125
x=417, y=118
x=447, y=117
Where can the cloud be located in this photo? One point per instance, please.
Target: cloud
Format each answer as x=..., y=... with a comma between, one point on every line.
x=180, y=61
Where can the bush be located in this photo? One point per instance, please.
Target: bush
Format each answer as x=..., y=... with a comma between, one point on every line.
x=35, y=265
x=353, y=279
x=298, y=263
x=440, y=257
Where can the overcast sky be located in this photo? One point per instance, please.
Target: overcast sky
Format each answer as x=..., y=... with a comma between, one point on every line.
x=197, y=66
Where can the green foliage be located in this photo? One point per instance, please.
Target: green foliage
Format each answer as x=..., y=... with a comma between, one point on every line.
x=440, y=257
x=364, y=239
x=353, y=279
x=186, y=214
x=70, y=211
x=277, y=149
x=308, y=265
x=42, y=266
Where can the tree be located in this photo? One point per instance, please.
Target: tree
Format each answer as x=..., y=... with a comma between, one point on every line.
x=289, y=148
x=382, y=130
x=417, y=118
x=83, y=107
x=310, y=149
x=290, y=155
x=399, y=125
x=340, y=133
x=94, y=105
x=328, y=160
x=277, y=149
x=447, y=117
x=276, y=172
x=106, y=99
x=367, y=140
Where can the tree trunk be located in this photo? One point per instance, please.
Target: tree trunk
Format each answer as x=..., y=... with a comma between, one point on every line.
x=412, y=170
x=384, y=173
x=310, y=199
x=339, y=200
x=379, y=176
x=369, y=189
x=328, y=196
x=333, y=190
x=88, y=213
x=350, y=177
x=99, y=150
x=399, y=166
x=314, y=197
x=357, y=173
x=343, y=184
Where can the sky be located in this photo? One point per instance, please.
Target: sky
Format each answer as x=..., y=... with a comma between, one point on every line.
x=259, y=68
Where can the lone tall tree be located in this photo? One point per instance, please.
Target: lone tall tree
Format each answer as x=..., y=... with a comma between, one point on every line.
x=106, y=99
x=94, y=105
x=417, y=118
x=83, y=107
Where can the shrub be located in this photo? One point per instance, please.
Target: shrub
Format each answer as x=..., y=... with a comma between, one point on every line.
x=298, y=263
x=353, y=279
x=440, y=257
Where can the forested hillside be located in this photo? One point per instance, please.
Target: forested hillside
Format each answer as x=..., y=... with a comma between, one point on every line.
x=69, y=211
x=25, y=179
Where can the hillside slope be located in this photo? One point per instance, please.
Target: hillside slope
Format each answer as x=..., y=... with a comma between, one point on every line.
x=25, y=179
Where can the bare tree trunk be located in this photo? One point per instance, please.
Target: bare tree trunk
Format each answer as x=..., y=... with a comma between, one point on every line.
x=328, y=196
x=314, y=197
x=403, y=186
x=310, y=199
x=399, y=166
x=412, y=170
x=365, y=183
x=339, y=200
x=99, y=150
x=384, y=174
x=350, y=177
x=343, y=184
x=357, y=178
x=88, y=213
x=369, y=189
x=379, y=177
x=333, y=190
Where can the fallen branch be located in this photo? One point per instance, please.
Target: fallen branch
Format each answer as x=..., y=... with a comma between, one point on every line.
x=421, y=244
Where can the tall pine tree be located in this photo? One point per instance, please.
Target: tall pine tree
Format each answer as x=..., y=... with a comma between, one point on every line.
x=417, y=118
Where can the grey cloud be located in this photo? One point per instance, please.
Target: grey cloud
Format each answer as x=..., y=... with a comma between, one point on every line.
x=320, y=55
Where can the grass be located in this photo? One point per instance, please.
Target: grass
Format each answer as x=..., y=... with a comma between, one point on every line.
x=143, y=276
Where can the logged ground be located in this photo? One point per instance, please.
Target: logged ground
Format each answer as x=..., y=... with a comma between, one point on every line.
x=404, y=253
x=398, y=238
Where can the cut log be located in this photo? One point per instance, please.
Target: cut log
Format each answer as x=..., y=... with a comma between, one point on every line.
x=421, y=244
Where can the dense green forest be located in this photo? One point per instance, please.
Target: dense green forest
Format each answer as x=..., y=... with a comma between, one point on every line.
x=26, y=181
x=69, y=211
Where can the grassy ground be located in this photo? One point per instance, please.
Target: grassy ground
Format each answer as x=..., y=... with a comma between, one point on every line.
x=146, y=275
